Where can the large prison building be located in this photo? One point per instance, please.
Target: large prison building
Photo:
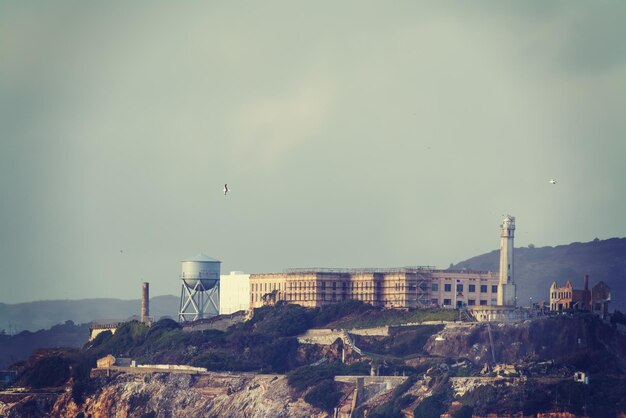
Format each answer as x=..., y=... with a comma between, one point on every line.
x=406, y=287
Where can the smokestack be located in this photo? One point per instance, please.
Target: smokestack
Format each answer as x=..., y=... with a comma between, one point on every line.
x=145, y=302
x=586, y=296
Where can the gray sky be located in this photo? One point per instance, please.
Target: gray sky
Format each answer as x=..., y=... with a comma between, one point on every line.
x=351, y=134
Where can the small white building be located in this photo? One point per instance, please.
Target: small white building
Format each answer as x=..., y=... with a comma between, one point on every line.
x=234, y=292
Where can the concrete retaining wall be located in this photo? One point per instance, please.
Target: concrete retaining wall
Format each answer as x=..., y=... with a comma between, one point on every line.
x=391, y=381
x=320, y=336
x=172, y=367
x=374, y=332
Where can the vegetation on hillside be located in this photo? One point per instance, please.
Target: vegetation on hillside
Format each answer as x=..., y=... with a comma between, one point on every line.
x=403, y=342
x=266, y=343
x=382, y=317
x=318, y=381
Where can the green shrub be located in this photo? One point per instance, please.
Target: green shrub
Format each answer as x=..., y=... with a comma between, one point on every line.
x=170, y=339
x=221, y=361
x=381, y=317
x=283, y=320
x=49, y=371
x=332, y=312
x=78, y=392
x=305, y=377
x=465, y=411
x=101, y=338
x=618, y=318
x=324, y=395
x=127, y=337
x=433, y=406
x=278, y=354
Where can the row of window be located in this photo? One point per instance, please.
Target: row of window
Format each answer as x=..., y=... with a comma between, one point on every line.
x=268, y=287
x=264, y=287
x=562, y=295
x=257, y=297
x=470, y=302
x=310, y=296
x=459, y=288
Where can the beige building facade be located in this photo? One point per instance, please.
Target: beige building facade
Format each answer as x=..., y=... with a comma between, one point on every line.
x=411, y=287
x=594, y=300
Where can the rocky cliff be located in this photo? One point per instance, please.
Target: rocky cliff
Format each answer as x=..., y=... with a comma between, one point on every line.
x=572, y=340
x=172, y=395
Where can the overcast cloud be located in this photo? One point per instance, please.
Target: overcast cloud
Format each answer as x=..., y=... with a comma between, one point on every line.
x=351, y=134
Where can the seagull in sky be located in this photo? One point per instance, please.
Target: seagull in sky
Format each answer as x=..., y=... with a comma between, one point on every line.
x=552, y=181
x=225, y=189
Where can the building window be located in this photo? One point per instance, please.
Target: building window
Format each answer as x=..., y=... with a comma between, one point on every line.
x=494, y=288
x=483, y=302
x=434, y=301
x=459, y=287
x=483, y=288
x=471, y=302
x=447, y=287
x=472, y=288
x=434, y=287
x=459, y=303
x=447, y=302
x=494, y=302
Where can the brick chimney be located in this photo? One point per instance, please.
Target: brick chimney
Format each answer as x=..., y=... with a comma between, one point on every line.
x=145, y=302
x=586, y=295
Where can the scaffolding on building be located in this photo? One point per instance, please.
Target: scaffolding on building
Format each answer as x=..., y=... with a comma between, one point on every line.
x=327, y=270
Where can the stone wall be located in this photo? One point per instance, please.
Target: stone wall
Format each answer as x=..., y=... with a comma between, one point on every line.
x=391, y=381
x=320, y=336
x=94, y=331
x=371, y=332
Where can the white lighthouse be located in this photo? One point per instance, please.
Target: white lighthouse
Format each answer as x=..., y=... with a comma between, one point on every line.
x=506, y=286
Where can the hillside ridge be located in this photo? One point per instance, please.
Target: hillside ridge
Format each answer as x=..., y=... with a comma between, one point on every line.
x=537, y=267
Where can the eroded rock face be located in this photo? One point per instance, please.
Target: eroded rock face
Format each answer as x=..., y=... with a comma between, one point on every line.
x=542, y=339
x=177, y=395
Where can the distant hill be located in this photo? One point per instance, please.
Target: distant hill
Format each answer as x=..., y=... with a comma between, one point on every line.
x=537, y=268
x=43, y=314
x=19, y=347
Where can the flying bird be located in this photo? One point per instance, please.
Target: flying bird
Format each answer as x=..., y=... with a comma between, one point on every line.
x=552, y=181
x=225, y=189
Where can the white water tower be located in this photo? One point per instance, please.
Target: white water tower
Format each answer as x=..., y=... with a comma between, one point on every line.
x=200, y=288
